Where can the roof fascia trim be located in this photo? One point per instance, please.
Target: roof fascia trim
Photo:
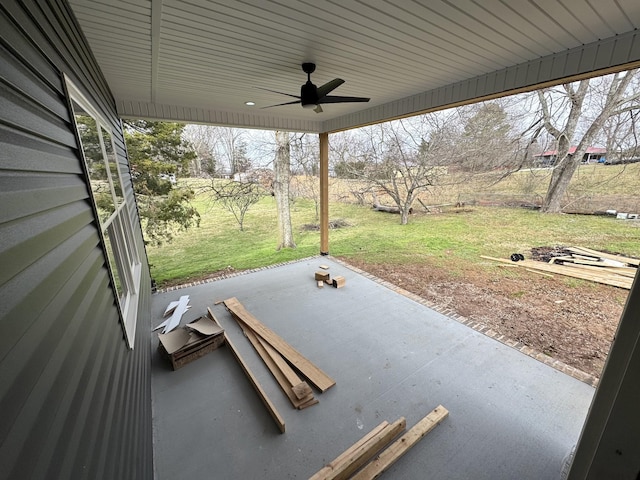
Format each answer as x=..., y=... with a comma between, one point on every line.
x=617, y=53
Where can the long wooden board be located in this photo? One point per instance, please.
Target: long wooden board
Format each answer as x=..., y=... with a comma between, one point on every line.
x=595, y=253
x=298, y=403
x=612, y=271
x=299, y=387
x=619, y=281
x=361, y=452
x=401, y=446
x=277, y=418
x=311, y=372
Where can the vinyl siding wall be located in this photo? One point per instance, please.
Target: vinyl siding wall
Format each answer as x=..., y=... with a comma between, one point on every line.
x=75, y=401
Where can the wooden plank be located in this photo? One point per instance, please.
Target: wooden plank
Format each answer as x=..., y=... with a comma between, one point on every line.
x=618, y=258
x=360, y=452
x=277, y=418
x=605, y=263
x=300, y=388
x=275, y=371
x=402, y=445
x=309, y=403
x=501, y=260
x=311, y=372
x=622, y=282
x=539, y=273
x=611, y=271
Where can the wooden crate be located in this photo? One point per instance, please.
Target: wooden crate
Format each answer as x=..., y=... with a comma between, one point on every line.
x=192, y=352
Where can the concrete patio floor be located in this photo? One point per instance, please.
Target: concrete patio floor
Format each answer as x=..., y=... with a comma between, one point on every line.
x=511, y=416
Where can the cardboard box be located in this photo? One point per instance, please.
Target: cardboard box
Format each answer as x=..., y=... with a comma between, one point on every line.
x=186, y=344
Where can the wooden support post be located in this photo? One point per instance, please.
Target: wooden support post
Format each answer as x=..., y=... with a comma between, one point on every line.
x=324, y=193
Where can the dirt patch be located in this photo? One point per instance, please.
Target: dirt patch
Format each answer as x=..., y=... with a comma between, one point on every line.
x=572, y=321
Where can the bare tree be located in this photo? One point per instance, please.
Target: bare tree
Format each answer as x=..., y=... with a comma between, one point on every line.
x=203, y=141
x=236, y=197
x=305, y=156
x=226, y=146
x=401, y=159
x=562, y=110
x=282, y=177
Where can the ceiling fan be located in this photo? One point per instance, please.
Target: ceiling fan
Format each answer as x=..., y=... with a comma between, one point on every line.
x=312, y=96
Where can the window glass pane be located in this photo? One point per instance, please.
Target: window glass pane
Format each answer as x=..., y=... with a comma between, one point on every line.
x=111, y=254
x=113, y=165
x=88, y=131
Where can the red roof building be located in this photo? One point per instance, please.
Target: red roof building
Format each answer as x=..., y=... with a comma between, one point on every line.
x=591, y=155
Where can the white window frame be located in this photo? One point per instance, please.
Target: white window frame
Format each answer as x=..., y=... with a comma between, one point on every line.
x=124, y=256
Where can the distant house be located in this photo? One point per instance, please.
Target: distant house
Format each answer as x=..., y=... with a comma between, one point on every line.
x=591, y=155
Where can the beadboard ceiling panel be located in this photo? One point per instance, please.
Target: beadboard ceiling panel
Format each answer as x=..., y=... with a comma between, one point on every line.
x=201, y=60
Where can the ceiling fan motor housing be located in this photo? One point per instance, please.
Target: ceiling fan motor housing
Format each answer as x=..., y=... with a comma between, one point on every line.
x=308, y=95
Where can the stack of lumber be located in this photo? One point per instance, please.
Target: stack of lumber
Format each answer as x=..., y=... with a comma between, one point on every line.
x=290, y=368
x=586, y=264
x=359, y=456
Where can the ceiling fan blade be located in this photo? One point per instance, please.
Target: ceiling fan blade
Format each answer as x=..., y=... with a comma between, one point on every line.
x=281, y=93
x=338, y=99
x=329, y=87
x=281, y=104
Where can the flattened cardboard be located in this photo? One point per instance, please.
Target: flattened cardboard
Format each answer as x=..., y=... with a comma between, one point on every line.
x=205, y=326
x=174, y=340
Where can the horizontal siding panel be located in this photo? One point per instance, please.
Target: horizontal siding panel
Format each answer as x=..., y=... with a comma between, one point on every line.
x=28, y=293
x=22, y=196
x=24, y=152
x=74, y=398
x=29, y=116
x=42, y=353
x=14, y=73
x=85, y=348
x=83, y=429
x=53, y=227
x=14, y=40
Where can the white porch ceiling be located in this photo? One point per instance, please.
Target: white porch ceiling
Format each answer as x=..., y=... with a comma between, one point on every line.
x=201, y=60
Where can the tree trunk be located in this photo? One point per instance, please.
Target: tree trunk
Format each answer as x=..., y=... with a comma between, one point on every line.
x=563, y=172
x=559, y=183
x=282, y=175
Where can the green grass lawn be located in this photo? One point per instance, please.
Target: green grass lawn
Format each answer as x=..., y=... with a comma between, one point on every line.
x=455, y=238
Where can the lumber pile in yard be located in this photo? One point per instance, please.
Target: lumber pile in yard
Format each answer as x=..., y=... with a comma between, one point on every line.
x=358, y=462
x=584, y=263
